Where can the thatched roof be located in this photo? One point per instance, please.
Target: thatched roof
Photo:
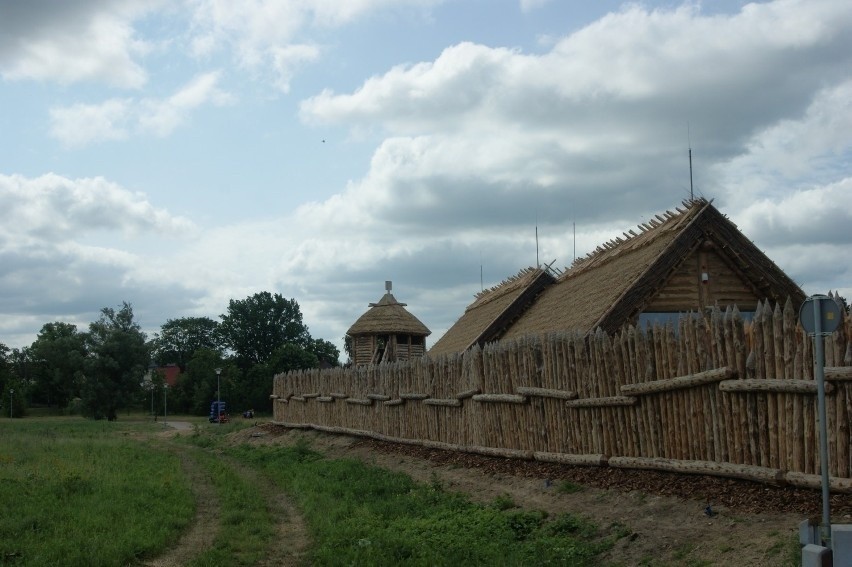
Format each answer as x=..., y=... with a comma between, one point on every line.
x=388, y=316
x=616, y=281
x=493, y=311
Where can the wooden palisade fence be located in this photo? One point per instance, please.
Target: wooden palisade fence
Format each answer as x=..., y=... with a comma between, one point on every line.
x=716, y=395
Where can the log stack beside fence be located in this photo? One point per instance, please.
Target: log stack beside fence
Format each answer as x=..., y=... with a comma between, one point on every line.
x=714, y=394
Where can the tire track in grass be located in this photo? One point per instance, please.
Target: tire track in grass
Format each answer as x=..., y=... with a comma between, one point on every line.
x=291, y=541
x=206, y=522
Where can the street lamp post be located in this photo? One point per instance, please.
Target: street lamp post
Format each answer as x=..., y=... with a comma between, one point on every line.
x=165, y=403
x=11, y=401
x=218, y=396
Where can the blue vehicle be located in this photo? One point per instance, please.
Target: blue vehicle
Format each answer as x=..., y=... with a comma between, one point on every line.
x=218, y=413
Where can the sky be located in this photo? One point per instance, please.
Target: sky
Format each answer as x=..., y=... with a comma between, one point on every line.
x=177, y=154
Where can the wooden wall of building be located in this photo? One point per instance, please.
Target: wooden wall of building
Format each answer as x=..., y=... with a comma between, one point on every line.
x=687, y=290
x=397, y=347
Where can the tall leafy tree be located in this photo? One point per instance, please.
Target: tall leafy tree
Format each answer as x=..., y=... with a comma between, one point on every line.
x=15, y=375
x=198, y=385
x=117, y=361
x=325, y=351
x=254, y=327
x=6, y=375
x=257, y=383
x=179, y=339
x=58, y=354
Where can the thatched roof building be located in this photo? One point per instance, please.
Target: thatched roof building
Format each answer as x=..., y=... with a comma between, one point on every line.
x=387, y=332
x=681, y=261
x=495, y=309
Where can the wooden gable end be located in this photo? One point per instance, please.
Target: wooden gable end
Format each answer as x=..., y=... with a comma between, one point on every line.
x=703, y=279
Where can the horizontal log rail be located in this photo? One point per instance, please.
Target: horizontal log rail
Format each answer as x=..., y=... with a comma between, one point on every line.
x=413, y=396
x=468, y=394
x=777, y=386
x=448, y=402
x=602, y=402
x=679, y=382
x=838, y=373
x=546, y=393
x=500, y=398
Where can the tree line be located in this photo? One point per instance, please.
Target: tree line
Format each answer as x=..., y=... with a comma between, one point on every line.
x=114, y=366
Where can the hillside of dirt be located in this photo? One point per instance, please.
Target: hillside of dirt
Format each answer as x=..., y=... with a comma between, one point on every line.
x=666, y=519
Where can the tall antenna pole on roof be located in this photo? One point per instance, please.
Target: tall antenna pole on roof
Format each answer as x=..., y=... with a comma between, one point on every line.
x=481, y=286
x=689, y=142
x=574, y=227
x=537, y=263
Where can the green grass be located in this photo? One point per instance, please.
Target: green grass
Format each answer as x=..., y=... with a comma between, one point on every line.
x=77, y=492
x=363, y=515
x=246, y=527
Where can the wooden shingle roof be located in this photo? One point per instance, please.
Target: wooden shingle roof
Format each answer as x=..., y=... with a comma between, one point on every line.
x=388, y=316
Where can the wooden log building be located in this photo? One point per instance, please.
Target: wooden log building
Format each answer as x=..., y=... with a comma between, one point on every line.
x=689, y=260
x=387, y=332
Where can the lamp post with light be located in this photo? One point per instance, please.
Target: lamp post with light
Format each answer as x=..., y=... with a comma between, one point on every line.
x=11, y=401
x=218, y=372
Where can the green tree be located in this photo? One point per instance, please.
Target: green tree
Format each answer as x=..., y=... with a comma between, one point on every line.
x=58, y=354
x=6, y=377
x=199, y=382
x=180, y=338
x=117, y=361
x=254, y=327
x=14, y=375
x=325, y=351
x=257, y=383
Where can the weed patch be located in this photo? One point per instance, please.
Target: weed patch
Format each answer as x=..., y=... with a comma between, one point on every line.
x=360, y=514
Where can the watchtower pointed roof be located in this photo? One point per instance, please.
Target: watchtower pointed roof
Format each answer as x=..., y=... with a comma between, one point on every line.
x=388, y=316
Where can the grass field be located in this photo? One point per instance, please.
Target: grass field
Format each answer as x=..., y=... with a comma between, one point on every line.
x=77, y=492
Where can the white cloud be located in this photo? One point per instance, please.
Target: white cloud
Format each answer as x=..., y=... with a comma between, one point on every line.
x=286, y=60
x=161, y=117
x=601, y=117
x=73, y=40
x=531, y=5
x=66, y=251
x=81, y=124
x=53, y=209
x=116, y=119
x=268, y=35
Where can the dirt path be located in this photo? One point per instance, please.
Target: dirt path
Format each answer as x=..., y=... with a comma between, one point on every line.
x=205, y=525
x=665, y=521
x=290, y=542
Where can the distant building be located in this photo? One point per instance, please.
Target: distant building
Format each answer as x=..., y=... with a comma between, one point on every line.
x=387, y=332
x=170, y=373
x=683, y=261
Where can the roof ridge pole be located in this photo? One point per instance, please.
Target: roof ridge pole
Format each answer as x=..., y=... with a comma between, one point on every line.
x=689, y=144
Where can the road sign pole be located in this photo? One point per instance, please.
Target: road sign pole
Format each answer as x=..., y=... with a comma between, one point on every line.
x=819, y=373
